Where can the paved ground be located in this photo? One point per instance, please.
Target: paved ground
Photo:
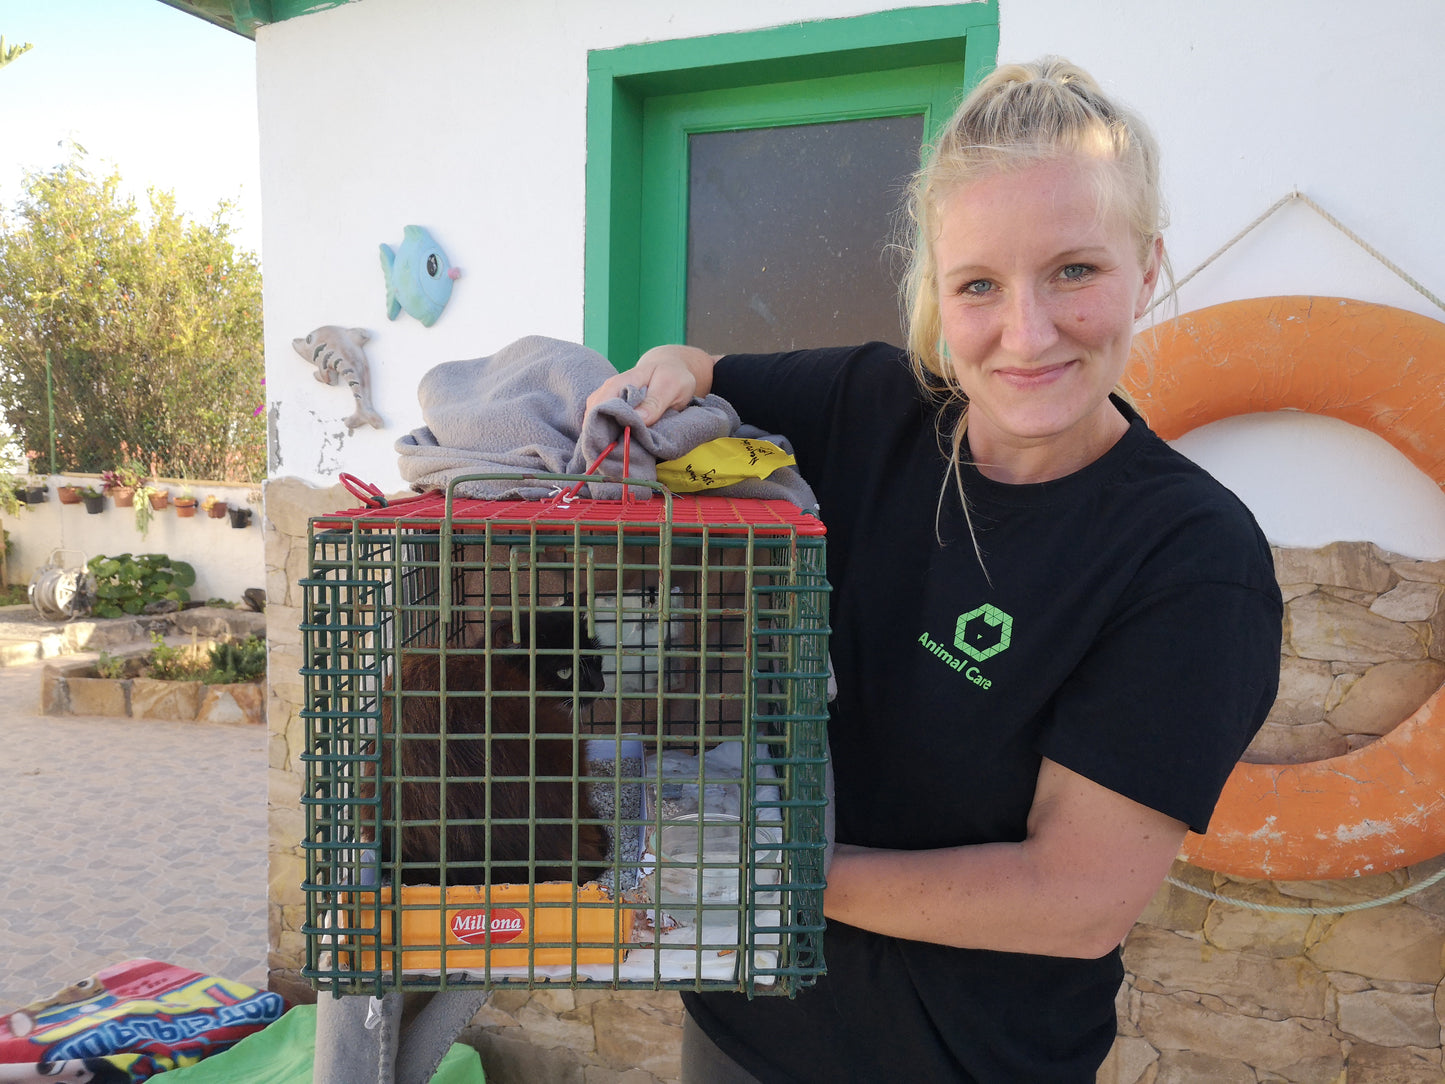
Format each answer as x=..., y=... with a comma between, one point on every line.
x=124, y=838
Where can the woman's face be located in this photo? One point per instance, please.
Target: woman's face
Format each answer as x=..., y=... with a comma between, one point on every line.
x=1039, y=288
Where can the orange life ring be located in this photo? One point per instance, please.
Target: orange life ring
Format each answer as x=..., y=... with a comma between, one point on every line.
x=1381, y=807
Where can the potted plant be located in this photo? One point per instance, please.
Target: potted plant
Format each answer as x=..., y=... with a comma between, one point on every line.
x=93, y=499
x=240, y=517
x=68, y=494
x=185, y=503
x=121, y=483
x=33, y=489
x=216, y=509
x=159, y=497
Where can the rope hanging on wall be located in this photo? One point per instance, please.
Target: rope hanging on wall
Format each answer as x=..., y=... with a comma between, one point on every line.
x=1290, y=197
x=1281, y=909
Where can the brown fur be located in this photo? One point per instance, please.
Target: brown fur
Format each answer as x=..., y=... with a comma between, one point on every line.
x=471, y=774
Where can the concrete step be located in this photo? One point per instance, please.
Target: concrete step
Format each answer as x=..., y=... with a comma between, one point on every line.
x=21, y=649
x=25, y=636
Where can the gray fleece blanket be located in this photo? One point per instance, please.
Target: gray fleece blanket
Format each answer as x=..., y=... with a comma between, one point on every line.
x=522, y=411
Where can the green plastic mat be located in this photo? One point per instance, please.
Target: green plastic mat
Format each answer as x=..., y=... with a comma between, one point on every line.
x=282, y=1053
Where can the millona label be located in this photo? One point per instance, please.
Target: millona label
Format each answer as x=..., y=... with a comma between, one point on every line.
x=496, y=927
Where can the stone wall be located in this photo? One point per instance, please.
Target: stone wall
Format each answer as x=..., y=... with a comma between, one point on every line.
x=1219, y=992
x=1215, y=992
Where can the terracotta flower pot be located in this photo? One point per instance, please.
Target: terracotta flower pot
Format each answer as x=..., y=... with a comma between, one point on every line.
x=124, y=496
x=68, y=494
x=185, y=507
x=218, y=510
x=160, y=500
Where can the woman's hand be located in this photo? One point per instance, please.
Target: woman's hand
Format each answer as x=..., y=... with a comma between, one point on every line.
x=673, y=375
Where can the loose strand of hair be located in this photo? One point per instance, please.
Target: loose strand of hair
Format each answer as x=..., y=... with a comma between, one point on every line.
x=955, y=468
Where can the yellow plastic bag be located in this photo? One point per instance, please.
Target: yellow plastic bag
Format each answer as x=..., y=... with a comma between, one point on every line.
x=722, y=462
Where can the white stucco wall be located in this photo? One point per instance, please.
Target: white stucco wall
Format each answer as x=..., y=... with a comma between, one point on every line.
x=227, y=560
x=470, y=119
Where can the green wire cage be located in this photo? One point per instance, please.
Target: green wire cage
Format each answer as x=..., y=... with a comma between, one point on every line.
x=569, y=741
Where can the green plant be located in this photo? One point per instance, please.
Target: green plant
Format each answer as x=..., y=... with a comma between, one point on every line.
x=127, y=476
x=127, y=585
x=221, y=603
x=12, y=481
x=234, y=661
x=168, y=663
x=89, y=492
x=226, y=663
x=10, y=52
x=144, y=512
x=110, y=666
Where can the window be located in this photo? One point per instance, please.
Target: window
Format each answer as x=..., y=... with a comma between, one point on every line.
x=703, y=223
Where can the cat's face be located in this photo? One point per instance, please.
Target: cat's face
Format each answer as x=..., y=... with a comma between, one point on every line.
x=558, y=669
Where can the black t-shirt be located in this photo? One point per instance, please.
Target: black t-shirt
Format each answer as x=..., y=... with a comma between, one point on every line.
x=1124, y=622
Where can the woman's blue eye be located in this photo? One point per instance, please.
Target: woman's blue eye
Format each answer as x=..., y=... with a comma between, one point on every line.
x=1076, y=271
x=978, y=286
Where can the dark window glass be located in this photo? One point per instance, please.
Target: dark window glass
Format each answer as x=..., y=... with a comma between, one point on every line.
x=789, y=233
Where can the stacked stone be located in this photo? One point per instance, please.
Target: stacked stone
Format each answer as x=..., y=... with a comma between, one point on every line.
x=1215, y=993
x=1364, y=646
x=1220, y=994
x=289, y=505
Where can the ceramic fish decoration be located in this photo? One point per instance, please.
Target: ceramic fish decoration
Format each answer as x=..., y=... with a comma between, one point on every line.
x=419, y=276
x=336, y=352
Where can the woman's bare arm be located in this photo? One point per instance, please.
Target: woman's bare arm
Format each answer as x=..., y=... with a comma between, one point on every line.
x=1091, y=862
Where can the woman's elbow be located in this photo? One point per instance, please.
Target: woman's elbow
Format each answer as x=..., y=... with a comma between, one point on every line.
x=1098, y=931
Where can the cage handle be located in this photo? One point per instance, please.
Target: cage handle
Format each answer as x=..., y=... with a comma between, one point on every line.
x=371, y=495
x=366, y=492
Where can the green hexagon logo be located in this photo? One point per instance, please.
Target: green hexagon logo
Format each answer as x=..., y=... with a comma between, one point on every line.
x=983, y=633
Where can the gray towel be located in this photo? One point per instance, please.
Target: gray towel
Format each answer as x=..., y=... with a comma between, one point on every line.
x=522, y=411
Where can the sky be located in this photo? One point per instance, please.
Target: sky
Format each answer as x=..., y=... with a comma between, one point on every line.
x=166, y=98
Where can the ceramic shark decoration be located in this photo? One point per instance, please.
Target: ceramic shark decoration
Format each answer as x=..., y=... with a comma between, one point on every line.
x=419, y=276
x=339, y=359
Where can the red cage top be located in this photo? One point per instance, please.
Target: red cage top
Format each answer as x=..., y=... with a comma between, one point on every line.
x=688, y=514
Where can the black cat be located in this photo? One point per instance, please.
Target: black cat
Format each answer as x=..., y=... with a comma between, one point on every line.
x=493, y=763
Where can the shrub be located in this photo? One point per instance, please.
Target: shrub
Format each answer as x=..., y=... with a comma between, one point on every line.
x=226, y=663
x=127, y=585
x=110, y=666
x=173, y=663
x=235, y=661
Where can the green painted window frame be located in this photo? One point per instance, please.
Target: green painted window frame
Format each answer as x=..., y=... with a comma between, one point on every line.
x=643, y=99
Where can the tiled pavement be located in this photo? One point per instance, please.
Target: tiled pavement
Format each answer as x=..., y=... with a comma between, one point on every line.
x=125, y=838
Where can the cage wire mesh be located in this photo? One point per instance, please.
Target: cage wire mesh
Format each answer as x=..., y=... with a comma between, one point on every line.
x=565, y=742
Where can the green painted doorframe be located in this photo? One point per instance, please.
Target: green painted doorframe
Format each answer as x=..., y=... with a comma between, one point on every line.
x=870, y=65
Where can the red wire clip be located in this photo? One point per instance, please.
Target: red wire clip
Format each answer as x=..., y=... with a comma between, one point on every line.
x=563, y=498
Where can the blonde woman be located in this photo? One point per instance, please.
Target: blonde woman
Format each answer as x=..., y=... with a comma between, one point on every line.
x=1053, y=636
